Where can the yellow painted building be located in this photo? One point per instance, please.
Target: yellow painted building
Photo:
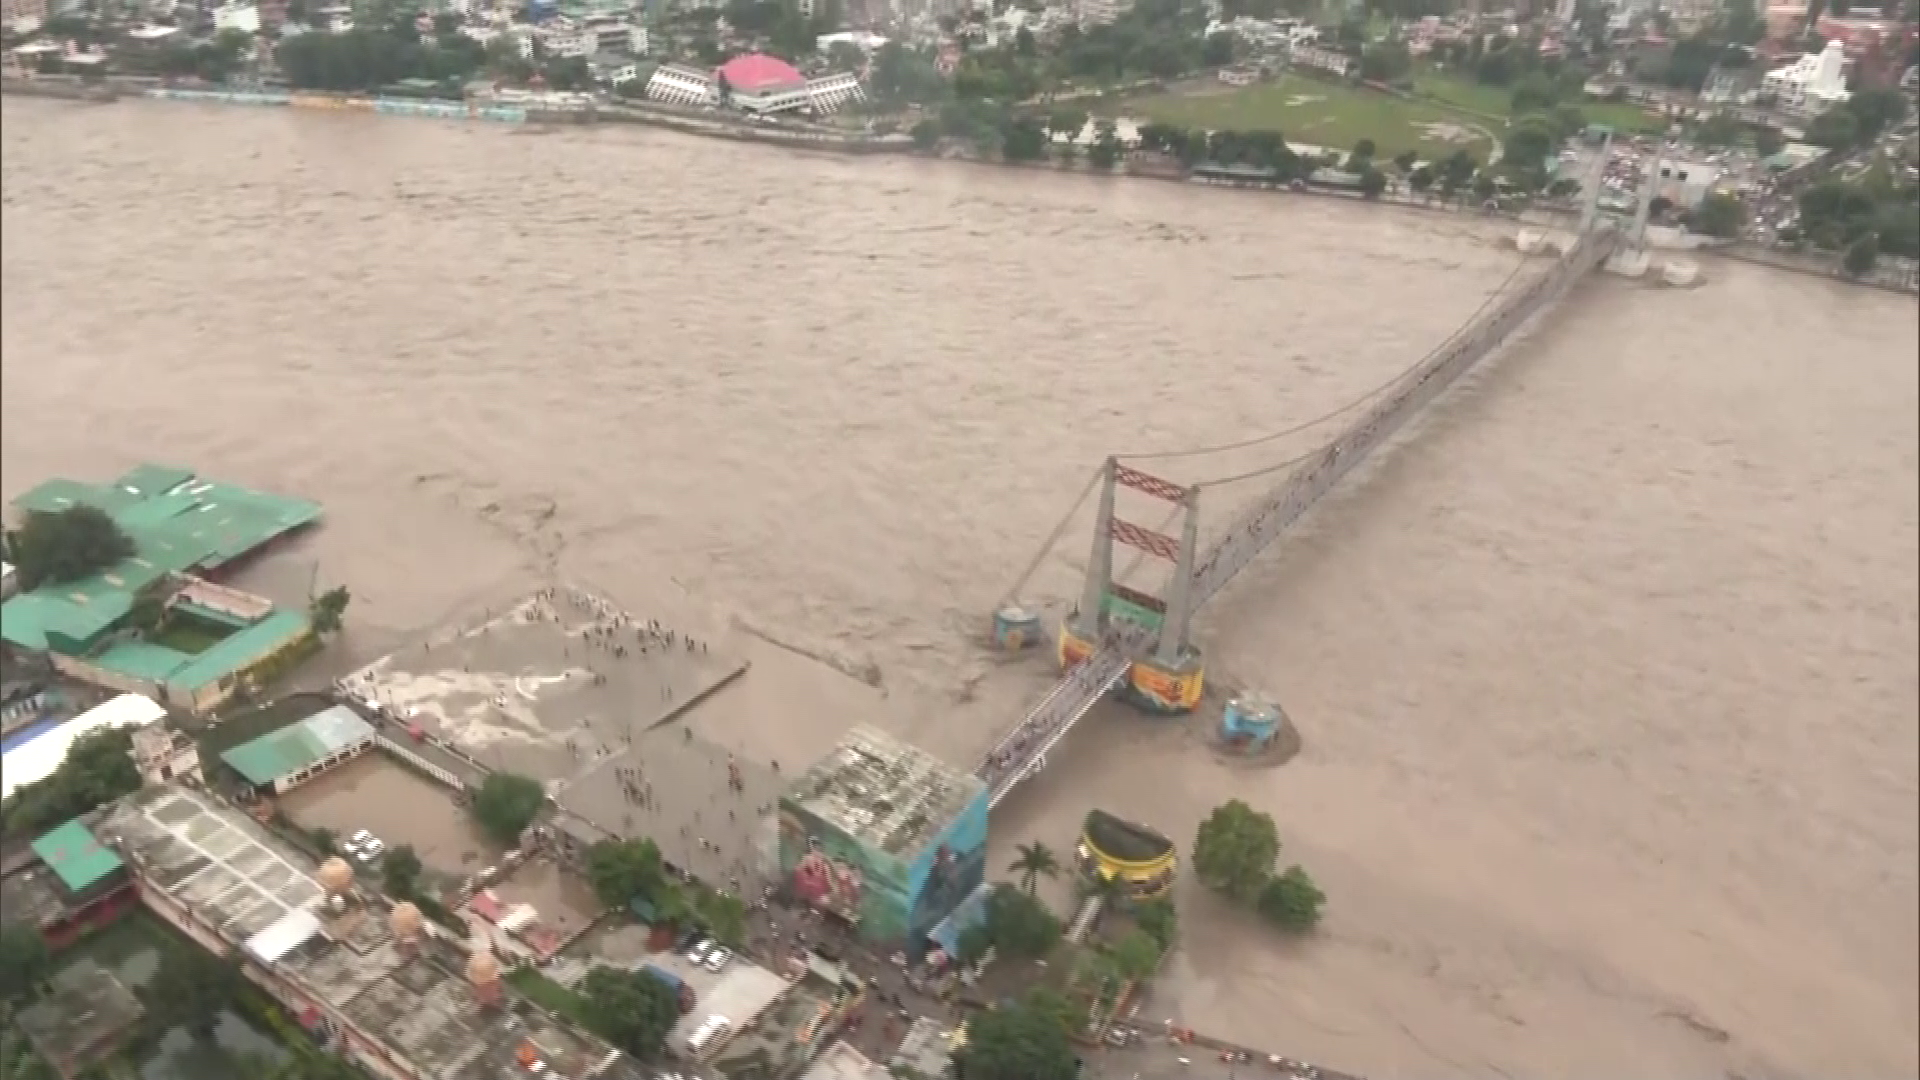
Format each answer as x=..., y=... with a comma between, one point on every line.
x=1137, y=855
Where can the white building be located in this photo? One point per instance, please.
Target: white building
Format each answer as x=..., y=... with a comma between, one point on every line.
x=1812, y=84
x=163, y=754
x=242, y=17
x=834, y=92
x=677, y=85
x=1099, y=12
x=1312, y=56
x=1684, y=183
x=567, y=42
x=39, y=757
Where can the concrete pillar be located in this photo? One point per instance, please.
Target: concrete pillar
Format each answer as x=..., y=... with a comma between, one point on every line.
x=1093, y=596
x=1174, y=628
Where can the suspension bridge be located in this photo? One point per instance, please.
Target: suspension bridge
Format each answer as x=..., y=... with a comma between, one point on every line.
x=1123, y=640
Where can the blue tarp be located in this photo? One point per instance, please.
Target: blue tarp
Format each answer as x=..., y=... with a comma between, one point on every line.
x=971, y=912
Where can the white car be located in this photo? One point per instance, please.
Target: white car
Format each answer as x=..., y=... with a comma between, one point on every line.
x=716, y=961
x=698, y=954
x=360, y=839
x=370, y=850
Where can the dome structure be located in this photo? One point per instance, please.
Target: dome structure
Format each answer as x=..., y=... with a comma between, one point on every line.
x=404, y=921
x=335, y=876
x=483, y=969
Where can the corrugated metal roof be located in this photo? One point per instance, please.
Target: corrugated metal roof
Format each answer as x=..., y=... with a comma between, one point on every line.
x=37, y=758
x=177, y=522
x=288, y=932
x=76, y=855
x=239, y=650
x=296, y=746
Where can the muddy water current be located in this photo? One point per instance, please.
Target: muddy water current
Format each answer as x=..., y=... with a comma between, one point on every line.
x=1607, y=676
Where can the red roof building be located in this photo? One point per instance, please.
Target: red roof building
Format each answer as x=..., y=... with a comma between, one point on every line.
x=757, y=75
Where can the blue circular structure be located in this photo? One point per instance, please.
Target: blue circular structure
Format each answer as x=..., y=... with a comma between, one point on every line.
x=1015, y=628
x=1249, y=724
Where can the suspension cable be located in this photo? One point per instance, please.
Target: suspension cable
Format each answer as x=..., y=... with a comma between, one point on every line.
x=1355, y=403
x=1053, y=538
x=1342, y=410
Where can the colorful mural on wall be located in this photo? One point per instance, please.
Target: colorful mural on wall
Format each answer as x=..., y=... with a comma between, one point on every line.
x=893, y=900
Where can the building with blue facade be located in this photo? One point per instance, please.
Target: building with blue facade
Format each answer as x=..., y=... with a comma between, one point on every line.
x=885, y=836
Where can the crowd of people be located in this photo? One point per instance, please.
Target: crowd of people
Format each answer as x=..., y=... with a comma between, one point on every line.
x=1082, y=686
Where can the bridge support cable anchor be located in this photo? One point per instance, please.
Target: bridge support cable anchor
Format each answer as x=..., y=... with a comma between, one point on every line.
x=1014, y=626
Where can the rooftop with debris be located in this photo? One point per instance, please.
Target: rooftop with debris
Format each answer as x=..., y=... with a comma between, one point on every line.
x=884, y=793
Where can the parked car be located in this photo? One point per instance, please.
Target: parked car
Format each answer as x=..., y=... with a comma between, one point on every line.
x=698, y=954
x=717, y=960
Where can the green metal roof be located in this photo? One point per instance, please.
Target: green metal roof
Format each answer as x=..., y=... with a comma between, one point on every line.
x=71, y=616
x=148, y=480
x=60, y=494
x=177, y=522
x=141, y=660
x=76, y=855
x=296, y=746
x=240, y=650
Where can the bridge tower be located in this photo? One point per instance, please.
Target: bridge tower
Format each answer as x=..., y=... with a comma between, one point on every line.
x=1169, y=679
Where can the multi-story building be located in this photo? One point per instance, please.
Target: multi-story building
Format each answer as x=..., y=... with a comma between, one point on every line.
x=884, y=836
x=394, y=995
x=1812, y=84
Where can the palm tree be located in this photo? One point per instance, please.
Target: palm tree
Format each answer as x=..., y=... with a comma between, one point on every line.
x=1035, y=859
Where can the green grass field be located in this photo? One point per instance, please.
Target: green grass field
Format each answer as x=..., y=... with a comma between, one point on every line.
x=1477, y=97
x=1322, y=114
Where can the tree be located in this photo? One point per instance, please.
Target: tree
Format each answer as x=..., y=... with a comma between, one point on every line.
x=620, y=870
x=401, y=869
x=24, y=961
x=1066, y=123
x=1529, y=142
x=926, y=135
x=1363, y=150
x=1027, y=1040
x=974, y=942
x=66, y=546
x=1019, y=925
x=1719, y=215
x=1421, y=178
x=506, y=804
x=99, y=769
x=1861, y=256
x=1136, y=955
x=1106, y=149
x=1768, y=141
x=1023, y=139
x=1483, y=187
x=1292, y=901
x=630, y=1010
x=1036, y=860
x=1159, y=919
x=193, y=988
x=328, y=609
x=1372, y=182
x=1235, y=849
x=1405, y=161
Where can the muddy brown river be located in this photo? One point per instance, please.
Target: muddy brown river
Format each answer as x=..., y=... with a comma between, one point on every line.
x=1607, y=675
